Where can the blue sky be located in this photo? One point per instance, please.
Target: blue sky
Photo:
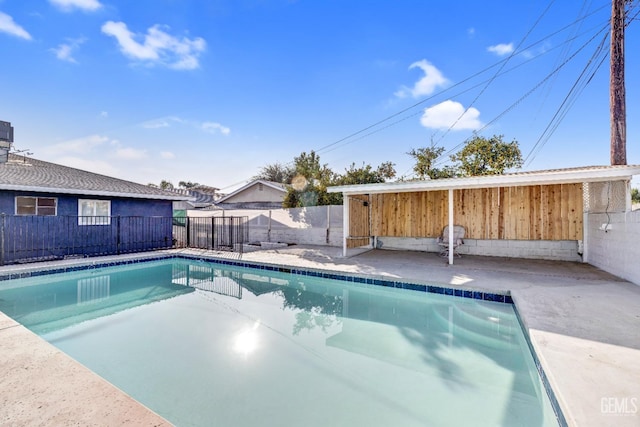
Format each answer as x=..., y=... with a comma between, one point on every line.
x=212, y=90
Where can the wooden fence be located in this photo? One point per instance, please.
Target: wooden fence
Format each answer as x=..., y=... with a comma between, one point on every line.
x=549, y=212
x=360, y=222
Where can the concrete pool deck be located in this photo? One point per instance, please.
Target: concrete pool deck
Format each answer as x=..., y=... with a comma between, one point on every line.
x=583, y=323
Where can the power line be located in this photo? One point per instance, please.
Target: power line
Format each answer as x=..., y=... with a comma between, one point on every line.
x=577, y=88
x=568, y=101
x=374, y=128
x=478, y=73
x=497, y=73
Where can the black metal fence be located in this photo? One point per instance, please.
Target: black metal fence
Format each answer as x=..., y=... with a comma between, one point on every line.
x=38, y=238
x=227, y=233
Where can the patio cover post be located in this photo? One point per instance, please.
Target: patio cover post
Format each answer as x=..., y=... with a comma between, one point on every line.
x=345, y=223
x=451, y=242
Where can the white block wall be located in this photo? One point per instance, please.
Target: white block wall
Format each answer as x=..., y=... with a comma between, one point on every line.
x=565, y=250
x=616, y=251
x=317, y=225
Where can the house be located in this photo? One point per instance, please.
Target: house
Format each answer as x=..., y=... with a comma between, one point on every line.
x=52, y=211
x=200, y=197
x=258, y=194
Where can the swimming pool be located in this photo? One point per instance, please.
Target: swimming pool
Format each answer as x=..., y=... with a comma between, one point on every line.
x=207, y=344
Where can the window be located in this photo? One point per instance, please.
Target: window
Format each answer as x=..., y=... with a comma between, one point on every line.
x=94, y=212
x=42, y=206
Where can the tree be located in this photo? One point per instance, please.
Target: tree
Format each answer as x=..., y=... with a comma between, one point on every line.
x=493, y=156
x=309, y=185
x=187, y=184
x=635, y=195
x=479, y=156
x=425, y=158
x=166, y=185
x=276, y=172
x=309, y=167
x=366, y=174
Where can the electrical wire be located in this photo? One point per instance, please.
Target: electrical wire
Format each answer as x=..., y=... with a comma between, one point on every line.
x=497, y=73
x=478, y=73
x=375, y=127
x=577, y=88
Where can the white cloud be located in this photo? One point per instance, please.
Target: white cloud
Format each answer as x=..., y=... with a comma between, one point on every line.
x=158, y=47
x=445, y=114
x=128, y=153
x=64, y=51
x=156, y=124
x=167, y=155
x=69, y=5
x=431, y=80
x=7, y=25
x=215, y=127
x=104, y=114
x=541, y=50
x=80, y=145
x=471, y=32
x=501, y=49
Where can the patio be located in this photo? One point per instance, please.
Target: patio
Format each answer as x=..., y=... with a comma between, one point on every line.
x=583, y=323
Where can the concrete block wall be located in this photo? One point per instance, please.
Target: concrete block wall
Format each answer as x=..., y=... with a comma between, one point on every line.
x=565, y=250
x=617, y=250
x=316, y=225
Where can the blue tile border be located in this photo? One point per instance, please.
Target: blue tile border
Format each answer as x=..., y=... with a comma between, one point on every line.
x=434, y=289
x=420, y=287
x=562, y=422
x=74, y=268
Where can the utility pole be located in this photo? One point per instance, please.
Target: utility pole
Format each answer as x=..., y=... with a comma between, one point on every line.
x=616, y=85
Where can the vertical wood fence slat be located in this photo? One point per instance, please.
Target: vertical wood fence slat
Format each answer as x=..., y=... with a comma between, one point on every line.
x=539, y=212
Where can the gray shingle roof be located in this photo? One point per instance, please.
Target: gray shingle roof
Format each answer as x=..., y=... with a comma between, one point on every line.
x=275, y=185
x=28, y=174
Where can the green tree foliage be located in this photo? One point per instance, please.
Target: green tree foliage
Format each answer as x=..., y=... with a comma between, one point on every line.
x=308, y=187
x=187, y=184
x=309, y=184
x=366, y=174
x=492, y=156
x=425, y=159
x=479, y=156
x=635, y=195
x=309, y=167
x=166, y=185
x=276, y=172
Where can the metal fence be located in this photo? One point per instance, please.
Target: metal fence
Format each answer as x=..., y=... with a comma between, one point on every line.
x=38, y=238
x=213, y=233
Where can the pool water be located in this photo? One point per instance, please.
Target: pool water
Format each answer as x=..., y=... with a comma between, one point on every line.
x=203, y=344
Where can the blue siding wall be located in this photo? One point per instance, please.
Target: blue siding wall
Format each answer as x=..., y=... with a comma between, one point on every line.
x=136, y=225
x=68, y=204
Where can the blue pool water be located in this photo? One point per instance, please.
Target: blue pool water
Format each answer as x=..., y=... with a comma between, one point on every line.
x=209, y=345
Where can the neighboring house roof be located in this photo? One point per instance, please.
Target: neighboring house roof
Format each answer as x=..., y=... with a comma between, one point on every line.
x=545, y=177
x=195, y=197
x=27, y=174
x=274, y=185
x=205, y=189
